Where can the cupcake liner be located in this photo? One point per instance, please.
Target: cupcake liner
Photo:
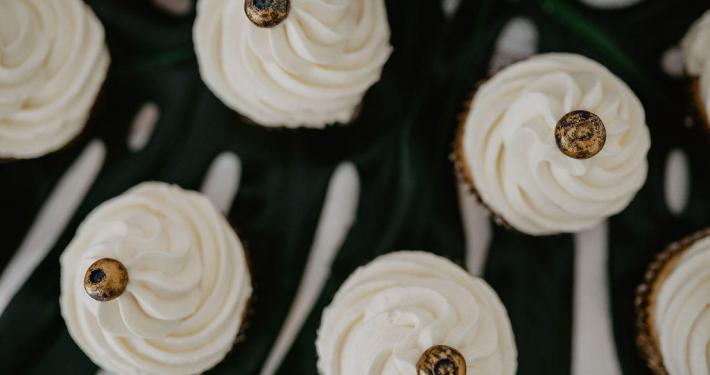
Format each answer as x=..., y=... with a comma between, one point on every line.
x=249, y=307
x=248, y=312
x=656, y=273
x=699, y=106
x=246, y=321
x=459, y=159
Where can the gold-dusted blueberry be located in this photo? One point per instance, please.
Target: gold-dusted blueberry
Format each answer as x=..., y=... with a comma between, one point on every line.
x=580, y=134
x=106, y=279
x=267, y=13
x=441, y=360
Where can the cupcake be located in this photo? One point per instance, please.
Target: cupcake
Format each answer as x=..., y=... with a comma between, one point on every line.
x=412, y=312
x=155, y=281
x=555, y=143
x=673, y=308
x=53, y=62
x=696, y=53
x=292, y=64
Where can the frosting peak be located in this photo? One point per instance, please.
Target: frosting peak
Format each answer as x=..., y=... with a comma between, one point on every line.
x=188, y=283
x=310, y=70
x=53, y=61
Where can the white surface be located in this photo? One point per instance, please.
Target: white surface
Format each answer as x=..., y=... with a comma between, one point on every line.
x=517, y=41
x=51, y=220
x=142, y=126
x=676, y=185
x=338, y=214
x=610, y=4
x=593, y=348
x=222, y=180
x=672, y=62
x=476, y=228
x=176, y=7
x=449, y=7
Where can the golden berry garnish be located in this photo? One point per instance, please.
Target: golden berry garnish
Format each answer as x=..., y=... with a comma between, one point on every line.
x=441, y=360
x=267, y=13
x=106, y=279
x=580, y=134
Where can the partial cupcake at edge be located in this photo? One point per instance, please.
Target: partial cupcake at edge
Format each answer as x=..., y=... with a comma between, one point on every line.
x=696, y=53
x=673, y=308
x=54, y=62
x=155, y=281
x=553, y=144
x=284, y=63
x=413, y=312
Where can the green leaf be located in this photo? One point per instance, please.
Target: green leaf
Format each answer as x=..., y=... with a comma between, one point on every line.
x=400, y=144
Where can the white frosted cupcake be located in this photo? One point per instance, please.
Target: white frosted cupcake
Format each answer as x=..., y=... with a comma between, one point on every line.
x=413, y=312
x=292, y=63
x=155, y=281
x=555, y=143
x=53, y=62
x=673, y=308
x=696, y=52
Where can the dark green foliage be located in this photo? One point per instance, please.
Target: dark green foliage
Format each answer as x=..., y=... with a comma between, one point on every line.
x=400, y=144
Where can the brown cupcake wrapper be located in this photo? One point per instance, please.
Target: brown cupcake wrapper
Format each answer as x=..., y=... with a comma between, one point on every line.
x=700, y=111
x=249, y=307
x=657, y=271
x=459, y=159
x=246, y=320
x=248, y=312
x=243, y=326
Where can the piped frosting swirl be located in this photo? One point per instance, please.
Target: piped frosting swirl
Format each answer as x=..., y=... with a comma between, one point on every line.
x=53, y=62
x=310, y=70
x=188, y=287
x=392, y=310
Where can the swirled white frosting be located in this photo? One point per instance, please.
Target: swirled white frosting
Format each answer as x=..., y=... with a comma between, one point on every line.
x=310, y=70
x=681, y=312
x=696, y=51
x=53, y=61
x=188, y=287
x=390, y=311
x=517, y=169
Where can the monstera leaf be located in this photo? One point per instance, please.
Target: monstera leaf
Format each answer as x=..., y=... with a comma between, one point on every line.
x=400, y=144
